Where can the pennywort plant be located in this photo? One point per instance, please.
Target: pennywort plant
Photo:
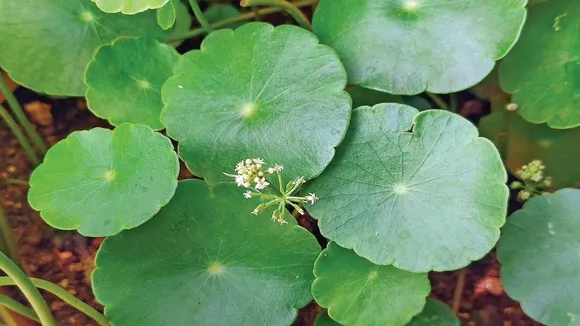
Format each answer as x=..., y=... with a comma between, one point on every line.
x=284, y=120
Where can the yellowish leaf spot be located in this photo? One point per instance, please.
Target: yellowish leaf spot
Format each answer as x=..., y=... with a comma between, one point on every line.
x=373, y=275
x=247, y=109
x=110, y=175
x=143, y=84
x=410, y=5
x=87, y=17
x=215, y=268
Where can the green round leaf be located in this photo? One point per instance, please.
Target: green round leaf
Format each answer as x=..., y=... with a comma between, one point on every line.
x=128, y=7
x=323, y=319
x=101, y=181
x=435, y=313
x=409, y=46
x=539, y=251
x=358, y=292
x=122, y=90
x=218, y=12
x=542, y=71
x=205, y=260
x=166, y=15
x=266, y=92
x=49, y=51
x=522, y=142
x=420, y=191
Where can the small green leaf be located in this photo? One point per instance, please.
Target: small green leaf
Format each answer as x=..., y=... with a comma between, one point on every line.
x=358, y=292
x=435, y=313
x=323, y=319
x=522, y=142
x=409, y=46
x=539, y=251
x=218, y=12
x=128, y=7
x=542, y=69
x=48, y=44
x=101, y=181
x=420, y=191
x=205, y=260
x=266, y=92
x=364, y=96
x=122, y=90
x=166, y=15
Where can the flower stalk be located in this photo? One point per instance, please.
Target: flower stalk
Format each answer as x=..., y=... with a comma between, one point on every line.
x=254, y=176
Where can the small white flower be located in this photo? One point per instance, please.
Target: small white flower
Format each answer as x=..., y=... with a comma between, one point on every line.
x=282, y=221
x=258, y=161
x=311, y=198
x=248, y=194
x=255, y=211
x=262, y=184
x=276, y=168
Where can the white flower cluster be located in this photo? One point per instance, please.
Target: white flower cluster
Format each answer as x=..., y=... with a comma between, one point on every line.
x=534, y=180
x=250, y=172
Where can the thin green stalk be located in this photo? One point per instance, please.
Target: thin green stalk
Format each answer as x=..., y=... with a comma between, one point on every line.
x=17, y=276
x=200, y=16
x=6, y=317
x=8, y=239
x=438, y=100
x=256, y=12
x=248, y=16
x=293, y=10
x=18, y=307
x=21, y=116
x=64, y=296
x=9, y=181
x=453, y=103
x=19, y=135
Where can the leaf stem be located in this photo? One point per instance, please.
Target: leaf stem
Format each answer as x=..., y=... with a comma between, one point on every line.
x=21, y=116
x=458, y=292
x=247, y=16
x=453, y=102
x=18, y=182
x=64, y=296
x=19, y=135
x=298, y=15
x=438, y=100
x=200, y=16
x=18, y=307
x=6, y=316
x=7, y=239
x=18, y=278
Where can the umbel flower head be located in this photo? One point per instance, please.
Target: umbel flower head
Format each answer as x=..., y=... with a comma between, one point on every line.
x=534, y=182
x=252, y=174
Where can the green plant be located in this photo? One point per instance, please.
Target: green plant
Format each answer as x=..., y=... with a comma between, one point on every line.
x=399, y=191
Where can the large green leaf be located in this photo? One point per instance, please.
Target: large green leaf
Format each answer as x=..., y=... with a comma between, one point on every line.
x=128, y=7
x=539, y=251
x=122, y=90
x=543, y=69
x=435, y=313
x=205, y=260
x=409, y=46
x=260, y=91
x=432, y=198
x=521, y=142
x=46, y=45
x=101, y=181
x=358, y=292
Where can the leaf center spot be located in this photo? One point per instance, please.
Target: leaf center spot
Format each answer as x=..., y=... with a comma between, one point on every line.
x=215, y=268
x=373, y=275
x=247, y=110
x=400, y=189
x=87, y=17
x=143, y=84
x=410, y=5
x=110, y=175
